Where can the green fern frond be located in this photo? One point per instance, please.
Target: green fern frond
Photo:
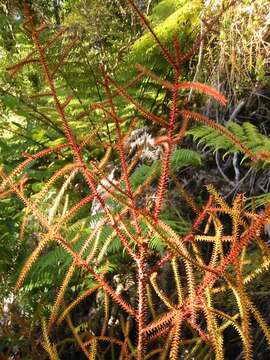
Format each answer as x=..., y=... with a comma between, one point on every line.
x=247, y=133
x=180, y=158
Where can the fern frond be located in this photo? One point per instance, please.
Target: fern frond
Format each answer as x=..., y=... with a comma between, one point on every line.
x=247, y=133
x=28, y=161
x=176, y=336
x=93, y=350
x=160, y=292
x=51, y=349
x=32, y=259
x=259, y=318
x=218, y=198
x=191, y=289
x=221, y=130
x=258, y=271
x=244, y=313
x=205, y=89
x=214, y=332
x=177, y=280
x=53, y=209
x=60, y=296
x=160, y=324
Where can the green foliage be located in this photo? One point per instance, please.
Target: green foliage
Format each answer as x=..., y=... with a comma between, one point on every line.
x=247, y=133
x=164, y=9
x=123, y=253
x=179, y=159
x=171, y=19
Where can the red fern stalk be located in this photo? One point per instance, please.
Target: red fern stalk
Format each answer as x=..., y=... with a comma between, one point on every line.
x=166, y=160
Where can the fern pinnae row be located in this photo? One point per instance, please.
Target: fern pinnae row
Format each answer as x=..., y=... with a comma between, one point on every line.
x=177, y=280
x=167, y=156
x=259, y=318
x=146, y=113
x=64, y=55
x=82, y=263
x=239, y=293
x=28, y=161
x=210, y=238
x=68, y=248
x=214, y=332
x=205, y=120
x=142, y=302
x=191, y=284
x=53, y=209
x=51, y=350
x=160, y=292
x=31, y=260
x=176, y=331
x=206, y=89
x=93, y=349
x=260, y=270
x=60, y=296
x=106, y=313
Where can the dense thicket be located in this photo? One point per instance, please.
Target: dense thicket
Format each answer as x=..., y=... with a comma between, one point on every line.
x=100, y=45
